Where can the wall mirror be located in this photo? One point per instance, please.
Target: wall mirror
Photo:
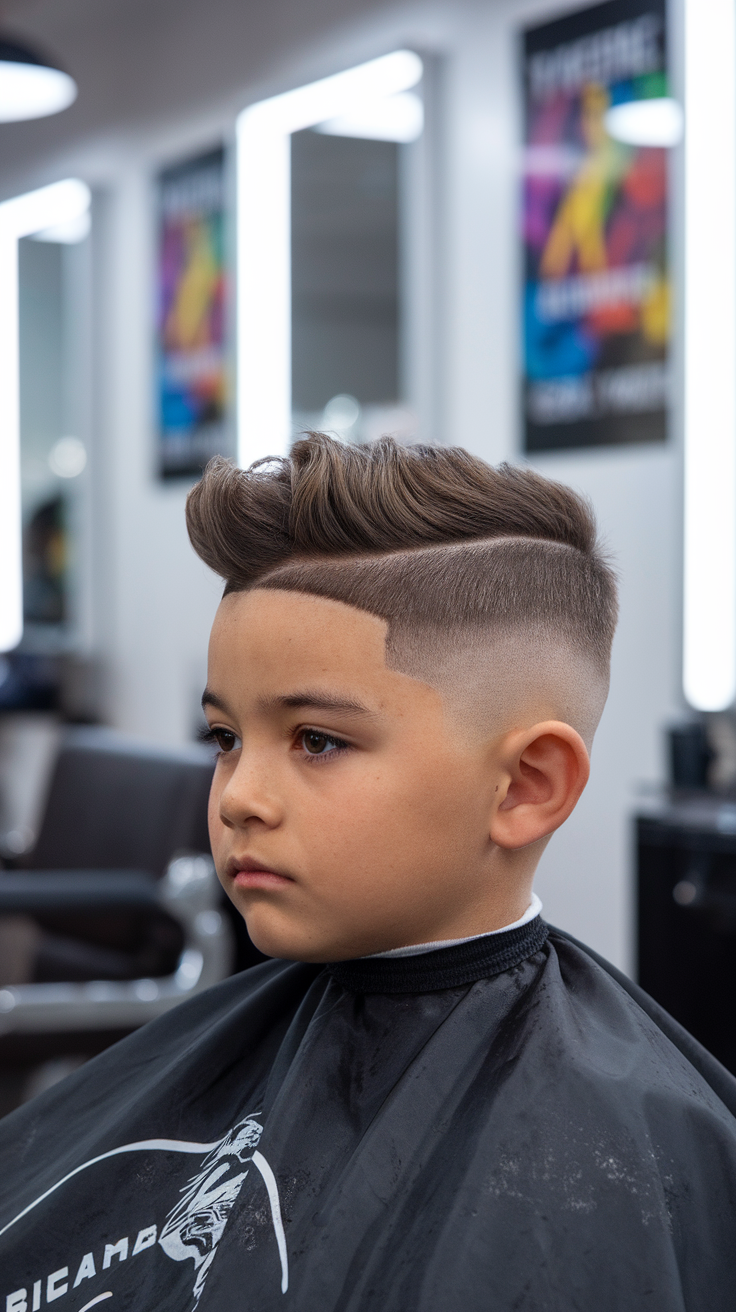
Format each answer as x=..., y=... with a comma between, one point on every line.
x=44, y=281
x=335, y=259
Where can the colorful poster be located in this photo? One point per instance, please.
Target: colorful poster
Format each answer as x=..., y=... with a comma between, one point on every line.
x=192, y=365
x=596, y=283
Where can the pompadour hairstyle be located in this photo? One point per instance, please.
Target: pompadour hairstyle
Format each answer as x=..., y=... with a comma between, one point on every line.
x=431, y=539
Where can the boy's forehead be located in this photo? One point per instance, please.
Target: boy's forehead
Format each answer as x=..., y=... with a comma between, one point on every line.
x=270, y=651
x=271, y=635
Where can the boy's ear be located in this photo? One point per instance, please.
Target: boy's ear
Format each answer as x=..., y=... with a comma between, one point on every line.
x=546, y=769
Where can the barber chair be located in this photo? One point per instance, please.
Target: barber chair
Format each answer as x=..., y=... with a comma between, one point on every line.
x=116, y=912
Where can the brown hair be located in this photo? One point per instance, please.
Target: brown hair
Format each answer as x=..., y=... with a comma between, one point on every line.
x=428, y=538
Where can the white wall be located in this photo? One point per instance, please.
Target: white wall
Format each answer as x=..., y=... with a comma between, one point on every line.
x=155, y=600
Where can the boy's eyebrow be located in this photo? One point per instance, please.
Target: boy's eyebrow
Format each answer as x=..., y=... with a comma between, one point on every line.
x=210, y=698
x=316, y=701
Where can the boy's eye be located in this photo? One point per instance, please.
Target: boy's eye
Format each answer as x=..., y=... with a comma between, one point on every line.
x=224, y=738
x=319, y=744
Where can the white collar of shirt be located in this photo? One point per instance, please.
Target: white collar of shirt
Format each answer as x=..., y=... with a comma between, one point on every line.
x=416, y=950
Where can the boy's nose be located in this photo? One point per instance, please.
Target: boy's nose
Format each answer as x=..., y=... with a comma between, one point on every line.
x=249, y=795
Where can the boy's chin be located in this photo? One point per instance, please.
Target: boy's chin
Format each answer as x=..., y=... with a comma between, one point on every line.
x=282, y=941
x=294, y=943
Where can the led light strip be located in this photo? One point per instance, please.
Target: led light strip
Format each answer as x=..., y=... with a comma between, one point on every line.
x=709, y=655
x=20, y=217
x=263, y=300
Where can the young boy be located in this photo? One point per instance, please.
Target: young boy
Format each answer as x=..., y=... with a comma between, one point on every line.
x=464, y=1110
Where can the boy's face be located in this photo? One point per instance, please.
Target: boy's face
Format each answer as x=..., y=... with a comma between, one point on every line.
x=348, y=813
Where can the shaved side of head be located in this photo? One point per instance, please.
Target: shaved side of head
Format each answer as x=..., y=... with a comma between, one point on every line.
x=502, y=627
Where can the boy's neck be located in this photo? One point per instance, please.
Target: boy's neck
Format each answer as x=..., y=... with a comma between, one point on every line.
x=533, y=910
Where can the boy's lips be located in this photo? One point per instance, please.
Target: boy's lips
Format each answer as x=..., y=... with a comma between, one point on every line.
x=247, y=872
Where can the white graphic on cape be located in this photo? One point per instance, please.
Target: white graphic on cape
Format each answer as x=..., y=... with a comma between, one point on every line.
x=144, y=1145
x=195, y=1226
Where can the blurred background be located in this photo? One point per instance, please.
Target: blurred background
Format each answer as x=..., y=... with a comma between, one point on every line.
x=508, y=225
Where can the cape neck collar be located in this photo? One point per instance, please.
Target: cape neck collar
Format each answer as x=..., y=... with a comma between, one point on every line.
x=444, y=967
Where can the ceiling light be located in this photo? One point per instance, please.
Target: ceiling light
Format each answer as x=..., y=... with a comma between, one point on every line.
x=31, y=87
x=394, y=118
x=655, y=122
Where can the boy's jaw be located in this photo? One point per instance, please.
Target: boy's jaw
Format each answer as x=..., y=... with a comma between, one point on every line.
x=383, y=842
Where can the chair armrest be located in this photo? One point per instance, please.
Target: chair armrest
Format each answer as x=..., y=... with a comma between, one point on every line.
x=37, y=891
x=189, y=891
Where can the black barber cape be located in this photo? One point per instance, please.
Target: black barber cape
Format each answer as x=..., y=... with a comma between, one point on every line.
x=501, y=1125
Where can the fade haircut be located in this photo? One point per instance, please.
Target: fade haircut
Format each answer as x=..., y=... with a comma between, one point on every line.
x=447, y=549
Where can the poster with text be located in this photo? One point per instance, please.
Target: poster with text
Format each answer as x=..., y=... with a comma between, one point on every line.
x=596, y=284
x=192, y=365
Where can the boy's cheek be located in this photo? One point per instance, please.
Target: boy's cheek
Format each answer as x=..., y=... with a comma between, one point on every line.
x=214, y=823
x=221, y=836
x=391, y=810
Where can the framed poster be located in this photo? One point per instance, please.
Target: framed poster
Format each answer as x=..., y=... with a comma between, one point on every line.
x=192, y=364
x=596, y=294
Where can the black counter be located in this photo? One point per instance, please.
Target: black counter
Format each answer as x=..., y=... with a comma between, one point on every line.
x=686, y=885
